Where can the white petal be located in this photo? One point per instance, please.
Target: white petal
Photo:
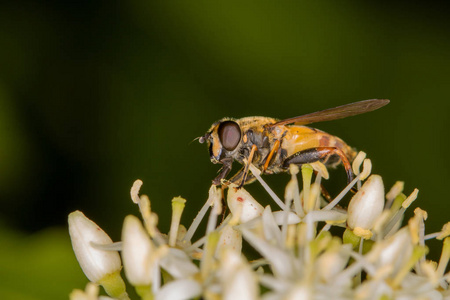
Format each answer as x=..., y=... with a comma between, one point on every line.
x=241, y=203
x=272, y=232
x=280, y=216
x=238, y=279
x=229, y=237
x=367, y=204
x=300, y=292
x=331, y=262
x=178, y=264
x=374, y=289
x=396, y=250
x=137, y=252
x=90, y=292
x=95, y=263
x=179, y=290
x=282, y=262
x=273, y=283
x=325, y=215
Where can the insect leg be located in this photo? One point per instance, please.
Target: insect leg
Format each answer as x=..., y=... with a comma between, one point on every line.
x=223, y=172
x=237, y=178
x=315, y=154
x=247, y=166
x=275, y=148
x=323, y=190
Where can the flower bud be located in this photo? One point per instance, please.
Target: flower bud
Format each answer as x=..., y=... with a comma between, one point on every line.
x=91, y=292
x=179, y=290
x=178, y=264
x=396, y=251
x=229, y=237
x=96, y=264
x=332, y=261
x=136, y=252
x=300, y=291
x=238, y=280
x=367, y=204
x=242, y=204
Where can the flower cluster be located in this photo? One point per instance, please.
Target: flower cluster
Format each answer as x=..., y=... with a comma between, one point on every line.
x=369, y=255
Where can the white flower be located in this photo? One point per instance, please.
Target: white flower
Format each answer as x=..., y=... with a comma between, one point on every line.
x=96, y=264
x=395, y=251
x=299, y=256
x=243, y=205
x=178, y=264
x=237, y=278
x=367, y=204
x=229, y=237
x=90, y=293
x=137, y=250
x=333, y=261
x=181, y=289
x=300, y=291
x=283, y=264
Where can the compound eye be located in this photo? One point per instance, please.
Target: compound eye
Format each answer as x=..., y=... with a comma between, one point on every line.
x=229, y=135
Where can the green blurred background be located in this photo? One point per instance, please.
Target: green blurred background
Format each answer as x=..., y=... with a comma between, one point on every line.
x=96, y=94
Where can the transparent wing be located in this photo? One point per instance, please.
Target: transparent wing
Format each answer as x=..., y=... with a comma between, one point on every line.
x=339, y=112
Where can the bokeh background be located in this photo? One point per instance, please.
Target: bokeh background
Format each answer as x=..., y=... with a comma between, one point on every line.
x=95, y=94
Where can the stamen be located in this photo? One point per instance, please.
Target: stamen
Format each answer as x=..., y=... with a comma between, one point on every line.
x=207, y=262
x=399, y=214
x=307, y=171
x=395, y=190
x=216, y=209
x=431, y=236
x=156, y=284
x=257, y=173
x=135, y=191
x=341, y=194
x=351, y=271
x=445, y=256
x=365, y=264
x=320, y=215
x=417, y=254
x=444, y=232
x=367, y=169
x=411, y=198
x=380, y=223
x=292, y=191
x=325, y=228
x=202, y=240
x=321, y=169
x=117, y=246
x=394, y=220
x=422, y=216
x=295, y=256
x=178, y=205
x=357, y=164
x=314, y=194
x=150, y=220
x=428, y=268
x=200, y=215
x=286, y=211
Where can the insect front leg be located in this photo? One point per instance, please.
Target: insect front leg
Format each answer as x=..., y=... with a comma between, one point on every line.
x=246, y=167
x=226, y=168
x=319, y=153
x=238, y=177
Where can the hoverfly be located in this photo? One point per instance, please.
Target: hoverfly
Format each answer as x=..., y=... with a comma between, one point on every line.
x=272, y=145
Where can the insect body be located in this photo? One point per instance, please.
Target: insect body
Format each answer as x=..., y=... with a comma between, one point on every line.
x=272, y=145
